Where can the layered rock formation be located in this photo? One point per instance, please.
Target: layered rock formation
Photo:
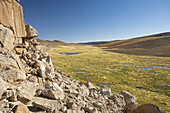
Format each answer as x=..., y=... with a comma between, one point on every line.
x=11, y=16
x=30, y=84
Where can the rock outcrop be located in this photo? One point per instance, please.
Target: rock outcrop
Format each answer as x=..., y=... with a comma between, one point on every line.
x=7, y=38
x=31, y=32
x=30, y=84
x=11, y=16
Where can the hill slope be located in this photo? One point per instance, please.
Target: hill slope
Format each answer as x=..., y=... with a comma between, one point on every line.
x=51, y=43
x=154, y=45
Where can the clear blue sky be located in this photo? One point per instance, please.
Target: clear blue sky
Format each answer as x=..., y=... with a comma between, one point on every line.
x=94, y=20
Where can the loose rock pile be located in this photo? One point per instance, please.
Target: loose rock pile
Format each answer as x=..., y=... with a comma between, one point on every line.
x=30, y=84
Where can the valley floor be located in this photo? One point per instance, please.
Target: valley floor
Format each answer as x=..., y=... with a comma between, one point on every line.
x=146, y=77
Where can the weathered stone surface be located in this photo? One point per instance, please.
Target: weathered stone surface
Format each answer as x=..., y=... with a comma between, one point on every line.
x=105, y=90
x=18, y=19
x=89, y=85
x=43, y=107
x=97, y=104
x=149, y=108
x=13, y=75
x=19, y=50
x=118, y=99
x=10, y=95
x=26, y=90
x=6, y=16
x=31, y=31
x=131, y=107
x=21, y=108
x=10, y=69
x=6, y=38
x=5, y=106
x=128, y=97
x=84, y=90
x=3, y=87
x=41, y=67
x=53, y=91
x=44, y=103
x=18, y=61
x=11, y=16
x=88, y=109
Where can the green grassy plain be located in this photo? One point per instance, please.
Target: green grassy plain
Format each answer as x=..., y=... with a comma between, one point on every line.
x=118, y=71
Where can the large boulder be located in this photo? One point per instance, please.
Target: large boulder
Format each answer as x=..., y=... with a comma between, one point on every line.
x=27, y=90
x=11, y=16
x=6, y=38
x=149, y=108
x=46, y=104
x=53, y=91
x=44, y=68
x=31, y=31
x=41, y=67
x=11, y=68
x=128, y=97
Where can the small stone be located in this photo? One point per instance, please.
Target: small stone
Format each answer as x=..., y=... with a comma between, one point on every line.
x=21, y=108
x=19, y=50
x=10, y=95
x=105, y=90
x=88, y=109
x=89, y=85
x=98, y=104
x=43, y=107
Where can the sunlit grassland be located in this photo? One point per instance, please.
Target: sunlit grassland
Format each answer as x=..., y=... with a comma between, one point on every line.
x=119, y=71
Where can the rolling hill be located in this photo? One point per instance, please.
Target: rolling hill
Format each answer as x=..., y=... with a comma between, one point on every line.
x=51, y=43
x=154, y=45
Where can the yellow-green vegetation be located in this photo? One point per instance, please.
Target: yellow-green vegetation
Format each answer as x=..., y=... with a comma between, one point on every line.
x=132, y=73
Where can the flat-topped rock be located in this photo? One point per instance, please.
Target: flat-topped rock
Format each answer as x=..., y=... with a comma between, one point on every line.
x=31, y=31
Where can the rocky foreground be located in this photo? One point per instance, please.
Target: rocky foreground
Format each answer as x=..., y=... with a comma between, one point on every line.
x=29, y=82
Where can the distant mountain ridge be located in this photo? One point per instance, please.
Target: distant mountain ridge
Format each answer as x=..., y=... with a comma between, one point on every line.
x=155, y=45
x=94, y=43
x=52, y=43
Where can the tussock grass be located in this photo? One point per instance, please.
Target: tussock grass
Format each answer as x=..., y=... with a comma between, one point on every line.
x=119, y=71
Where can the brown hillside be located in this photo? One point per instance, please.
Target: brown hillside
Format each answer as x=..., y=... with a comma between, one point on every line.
x=155, y=45
x=51, y=43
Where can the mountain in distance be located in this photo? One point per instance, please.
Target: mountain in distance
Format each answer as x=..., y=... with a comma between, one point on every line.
x=154, y=45
x=51, y=43
x=95, y=42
